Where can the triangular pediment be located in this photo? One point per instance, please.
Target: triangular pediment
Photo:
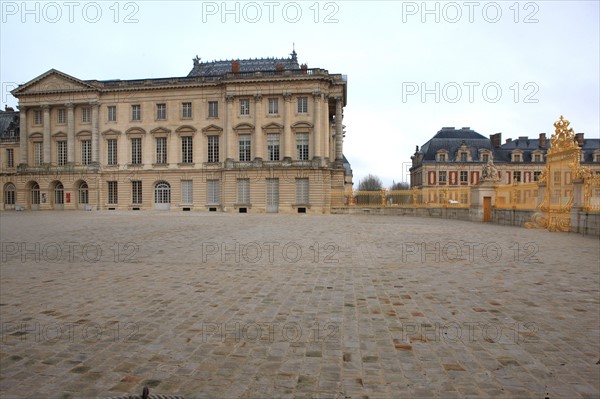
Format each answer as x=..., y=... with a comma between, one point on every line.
x=53, y=81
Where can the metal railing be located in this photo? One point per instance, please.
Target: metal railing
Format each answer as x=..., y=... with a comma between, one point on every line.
x=424, y=198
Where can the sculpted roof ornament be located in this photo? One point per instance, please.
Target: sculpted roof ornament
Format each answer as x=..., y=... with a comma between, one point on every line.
x=490, y=172
x=563, y=137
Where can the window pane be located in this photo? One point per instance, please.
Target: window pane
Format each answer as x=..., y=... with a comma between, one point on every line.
x=273, y=147
x=245, y=148
x=243, y=191
x=186, y=192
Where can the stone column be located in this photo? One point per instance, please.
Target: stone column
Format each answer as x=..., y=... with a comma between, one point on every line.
x=258, y=142
x=95, y=134
x=339, y=144
x=316, y=136
x=46, y=134
x=287, y=124
x=228, y=137
x=23, y=140
x=326, y=126
x=70, y=134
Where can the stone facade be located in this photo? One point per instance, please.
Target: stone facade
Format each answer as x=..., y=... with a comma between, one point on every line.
x=235, y=136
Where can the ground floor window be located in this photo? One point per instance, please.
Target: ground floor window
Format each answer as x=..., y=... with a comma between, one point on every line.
x=83, y=193
x=9, y=194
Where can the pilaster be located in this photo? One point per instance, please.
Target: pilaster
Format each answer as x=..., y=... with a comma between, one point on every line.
x=46, y=134
x=287, y=123
x=23, y=139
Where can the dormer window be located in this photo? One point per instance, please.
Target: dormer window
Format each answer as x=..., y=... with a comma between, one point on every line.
x=517, y=156
x=597, y=156
x=441, y=156
x=463, y=153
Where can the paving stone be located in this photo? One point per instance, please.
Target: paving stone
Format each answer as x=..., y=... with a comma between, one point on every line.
x=184, y=316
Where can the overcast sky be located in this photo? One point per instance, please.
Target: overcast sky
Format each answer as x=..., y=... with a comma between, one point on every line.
x=412, y=67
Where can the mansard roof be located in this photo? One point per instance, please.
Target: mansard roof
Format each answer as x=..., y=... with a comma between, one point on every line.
x=218, y=68
x=450, y=139
x=9, y=124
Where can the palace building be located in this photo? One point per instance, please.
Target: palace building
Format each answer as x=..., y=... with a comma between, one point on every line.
x=456, y=157
x=256, y=135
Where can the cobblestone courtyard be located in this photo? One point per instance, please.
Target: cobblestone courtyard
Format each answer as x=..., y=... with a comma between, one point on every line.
x=99, y=304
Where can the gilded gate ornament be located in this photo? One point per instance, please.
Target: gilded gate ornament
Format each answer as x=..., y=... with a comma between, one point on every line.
x=562, y=166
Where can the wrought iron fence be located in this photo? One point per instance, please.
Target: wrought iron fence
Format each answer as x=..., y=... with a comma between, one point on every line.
x=517, y=196
x=426, y=197
x=591, y=194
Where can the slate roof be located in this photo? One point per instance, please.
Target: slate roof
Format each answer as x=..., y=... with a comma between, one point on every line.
x=451, y=139
x=219, y=68
x=9, y=121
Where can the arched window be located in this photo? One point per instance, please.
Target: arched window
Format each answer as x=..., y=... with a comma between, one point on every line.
x=35, y=194
x=9, y=194
x=162, y=193
x=59, y=193
x=83, y=193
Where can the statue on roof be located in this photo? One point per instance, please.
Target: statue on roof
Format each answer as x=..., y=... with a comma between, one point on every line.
x=196, y=61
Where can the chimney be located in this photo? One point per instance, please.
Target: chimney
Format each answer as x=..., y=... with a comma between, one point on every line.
x=579, y=139
x=542, y=140
x=235, y=67
x=496, y=140
x=508, y=141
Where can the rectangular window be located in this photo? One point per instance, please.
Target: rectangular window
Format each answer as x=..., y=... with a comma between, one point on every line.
x=161, y=150
x=537, y=158
x=161, y=111
x=302, y=191
x=302, y=105
x=38, y=153
x=517, y=157
x=485, y=157
x=442, y=157
x=136, y=151
x=112, y=151
x=187, y=155
x=464, y=176
x=61, y=116
x=302, y=146
x=213, y=109
x=113, y=197
x=136, y=192
x=10, y=157
x=517, y=176
x=86, y=152
x=245, y=148
x=136, y=112
x=244, y=106
x=112, y=113
x=86, y=115
x=187, y=192
x=243, y=191
x=213, y=194
x=273, y=106
x=37, y=117
x=442, y=177
x=213, y=148
x=61, y=147
x=273, y=147
x=463, y=157
x=186, y=110
x=536, y=175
